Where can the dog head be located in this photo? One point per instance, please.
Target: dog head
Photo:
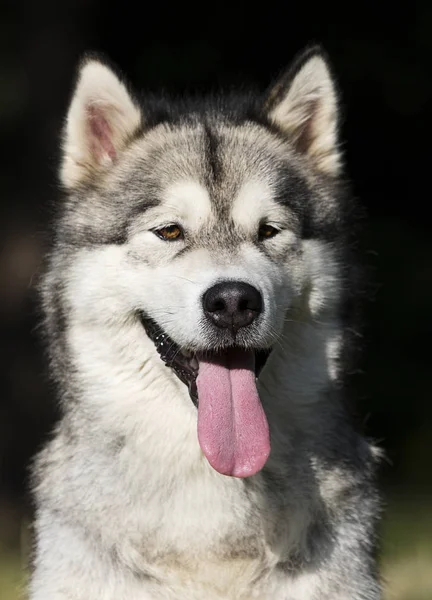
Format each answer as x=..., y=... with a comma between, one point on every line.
x=208, y=223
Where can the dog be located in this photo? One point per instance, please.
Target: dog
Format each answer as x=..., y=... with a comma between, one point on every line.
x=198, y=300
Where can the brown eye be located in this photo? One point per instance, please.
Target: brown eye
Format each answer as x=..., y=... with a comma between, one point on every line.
x=169, y=233
x=266, y=232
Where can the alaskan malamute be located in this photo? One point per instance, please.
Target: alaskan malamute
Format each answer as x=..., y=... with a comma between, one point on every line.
x=197, y=300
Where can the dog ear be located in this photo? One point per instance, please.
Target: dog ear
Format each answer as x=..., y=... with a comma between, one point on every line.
x=102, y=119
x=303, y=105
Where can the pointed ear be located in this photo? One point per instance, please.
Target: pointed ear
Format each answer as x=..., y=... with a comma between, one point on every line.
x=102, y=119
x=303, y=105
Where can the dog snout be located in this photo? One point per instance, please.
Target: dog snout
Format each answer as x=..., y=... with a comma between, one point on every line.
x=232, y=304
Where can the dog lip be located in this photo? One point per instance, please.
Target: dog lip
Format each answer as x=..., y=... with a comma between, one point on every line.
x=183, y=362
x=174, y=357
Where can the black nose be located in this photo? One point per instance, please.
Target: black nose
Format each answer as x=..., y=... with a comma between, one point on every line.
x=232, y=304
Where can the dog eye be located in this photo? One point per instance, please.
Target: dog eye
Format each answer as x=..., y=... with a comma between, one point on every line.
x=169, y=233
x=266, y=232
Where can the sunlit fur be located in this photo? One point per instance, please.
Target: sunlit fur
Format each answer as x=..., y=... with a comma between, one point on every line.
x=128, y=508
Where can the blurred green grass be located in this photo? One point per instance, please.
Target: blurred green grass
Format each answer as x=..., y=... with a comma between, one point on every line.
x=12, y=579
x=406, y=557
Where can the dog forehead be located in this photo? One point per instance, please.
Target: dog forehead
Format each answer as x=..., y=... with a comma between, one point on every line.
x=214, y=169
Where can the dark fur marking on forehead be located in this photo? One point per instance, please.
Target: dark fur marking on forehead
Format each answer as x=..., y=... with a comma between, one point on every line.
x=213, y=160
x=138, y=208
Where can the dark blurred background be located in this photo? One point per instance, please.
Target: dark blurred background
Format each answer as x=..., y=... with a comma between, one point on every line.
x=382, y=58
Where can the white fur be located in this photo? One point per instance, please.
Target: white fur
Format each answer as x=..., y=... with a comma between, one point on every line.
x=125, y=385
x=187, y=201
x=142, y=514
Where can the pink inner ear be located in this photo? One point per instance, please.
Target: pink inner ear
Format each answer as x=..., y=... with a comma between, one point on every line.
x=100, y=134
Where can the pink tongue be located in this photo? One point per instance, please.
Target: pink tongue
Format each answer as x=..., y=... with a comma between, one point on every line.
x=232, y=427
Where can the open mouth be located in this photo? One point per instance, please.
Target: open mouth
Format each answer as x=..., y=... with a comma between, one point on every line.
x=184, y=363
x=232, y=427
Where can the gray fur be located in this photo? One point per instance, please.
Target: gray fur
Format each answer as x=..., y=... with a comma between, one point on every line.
x=115, y=519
